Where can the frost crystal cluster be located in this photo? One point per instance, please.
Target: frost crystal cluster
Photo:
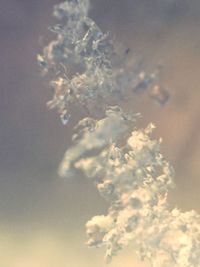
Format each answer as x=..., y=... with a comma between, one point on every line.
x=95, y=73
x=124, y=163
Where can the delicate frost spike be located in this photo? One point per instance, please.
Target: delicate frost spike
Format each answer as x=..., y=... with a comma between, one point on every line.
x=65, y=117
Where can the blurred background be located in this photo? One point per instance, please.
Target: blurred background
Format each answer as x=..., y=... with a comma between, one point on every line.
x=42, y=216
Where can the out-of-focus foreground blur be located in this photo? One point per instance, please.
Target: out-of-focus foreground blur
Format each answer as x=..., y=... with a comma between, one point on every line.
x=42, y=216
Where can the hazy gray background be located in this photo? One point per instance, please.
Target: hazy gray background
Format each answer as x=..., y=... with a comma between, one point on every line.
x=42, y=216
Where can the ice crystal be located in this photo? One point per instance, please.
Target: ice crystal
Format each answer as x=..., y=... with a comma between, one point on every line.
x=93, y=74
x=134, y=178
x=96, y=135
x=124, y=163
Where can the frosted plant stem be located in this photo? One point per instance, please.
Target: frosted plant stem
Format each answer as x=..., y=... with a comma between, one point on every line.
x=123, y=162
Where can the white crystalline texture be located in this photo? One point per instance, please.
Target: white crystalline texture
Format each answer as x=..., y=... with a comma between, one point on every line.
x=124, y=163
x=80, y=59
x=95, y=138
x=81, y=43
x=134, y=178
